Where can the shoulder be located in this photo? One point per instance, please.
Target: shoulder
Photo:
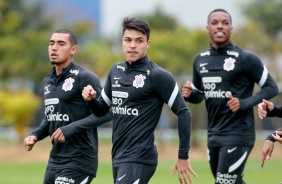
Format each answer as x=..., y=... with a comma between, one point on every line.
x=81, y=71
x=118, y=66
x=203, y=53
x=48, y=76
x=159, y=73
x=246, y=54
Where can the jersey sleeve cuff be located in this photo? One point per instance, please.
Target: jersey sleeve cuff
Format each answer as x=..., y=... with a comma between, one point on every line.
x=183, y=154
x=269, y=137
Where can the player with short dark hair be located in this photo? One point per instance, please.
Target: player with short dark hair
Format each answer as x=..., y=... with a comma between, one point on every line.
x=136, y=90
x=73, y=160
x=224, y=75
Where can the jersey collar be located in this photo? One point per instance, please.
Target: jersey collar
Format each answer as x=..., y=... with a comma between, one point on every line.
x=138, y=63
x=226, y=47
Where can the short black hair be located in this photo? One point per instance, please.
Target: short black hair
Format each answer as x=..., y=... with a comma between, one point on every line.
x=219, y=10
x=136, y=24
x=71, y=34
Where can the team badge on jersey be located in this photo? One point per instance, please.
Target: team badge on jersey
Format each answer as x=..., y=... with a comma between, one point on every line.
x=139, y=81
x=68, y=85
x=229, y=64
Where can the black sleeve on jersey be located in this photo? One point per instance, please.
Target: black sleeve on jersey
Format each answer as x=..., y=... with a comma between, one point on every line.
x=184, y=125
x=90, y=78
x=85, y=124
x=98, y=106
x=276, y=112
x=166, y=86
x=197, y=95
x=269, y=89
x=42, y=131
x=269, y=137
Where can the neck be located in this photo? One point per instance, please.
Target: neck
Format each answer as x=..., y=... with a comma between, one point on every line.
x=217, y=45
x=59, y=67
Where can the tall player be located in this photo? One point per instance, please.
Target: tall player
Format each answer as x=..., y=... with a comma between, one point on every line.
x=136, y=90
x=73, y=160
x=224, y=75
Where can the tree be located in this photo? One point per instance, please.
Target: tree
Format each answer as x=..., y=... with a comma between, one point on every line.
x=18, y=110
x=267, y=14
x=25, y=33
x=263, y=33
x=21, y=39
x=158, y=20
x=25, y=39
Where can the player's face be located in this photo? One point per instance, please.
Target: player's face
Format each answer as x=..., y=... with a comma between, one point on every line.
x=134, y=45
x=219, y=28
x=60, y=49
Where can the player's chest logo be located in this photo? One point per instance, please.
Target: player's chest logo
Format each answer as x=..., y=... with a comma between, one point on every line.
x=68, y=85
x=229, y=64
x=46, y=90
x=139, y=81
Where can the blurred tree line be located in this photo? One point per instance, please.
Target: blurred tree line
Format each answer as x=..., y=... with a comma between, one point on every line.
x=25, y=32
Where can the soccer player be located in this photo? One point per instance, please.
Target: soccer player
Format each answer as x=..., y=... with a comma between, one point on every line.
x=267, y=108
x=224, y=75
x=136, y=90
x=75, y=159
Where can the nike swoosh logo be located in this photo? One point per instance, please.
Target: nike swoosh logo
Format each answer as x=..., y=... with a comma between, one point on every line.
x=203, y=64
x=85, y=180
x=231, y=150
x=121, y=177
x=136, y=182
x=116, y=78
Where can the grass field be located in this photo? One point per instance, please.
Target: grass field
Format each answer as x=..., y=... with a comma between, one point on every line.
x=33, y=172
x=18, y=166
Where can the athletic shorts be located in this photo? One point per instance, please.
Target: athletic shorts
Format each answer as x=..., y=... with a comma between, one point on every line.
x=66, y=176
x=227, y=163
x=133, y=173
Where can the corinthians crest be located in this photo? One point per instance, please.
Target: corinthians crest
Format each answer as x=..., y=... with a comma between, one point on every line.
x=229, y=64
x=139, y=81
x=68, y=85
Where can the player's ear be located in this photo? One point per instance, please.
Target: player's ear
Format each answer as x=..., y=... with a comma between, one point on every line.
x=74, y=49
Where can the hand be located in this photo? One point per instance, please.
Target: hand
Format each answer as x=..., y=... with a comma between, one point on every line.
x=266, y=152
x=186, y=90
x=58, y=136
x=262, y=108
x=29, y=142
x=183, y=168
x=88, y=93
x=277, y=136
x=233, y=103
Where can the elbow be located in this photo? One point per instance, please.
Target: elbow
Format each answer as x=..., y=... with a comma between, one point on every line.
x=99, y=112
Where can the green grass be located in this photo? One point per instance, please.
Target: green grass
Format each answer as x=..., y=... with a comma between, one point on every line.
x=33, y=173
